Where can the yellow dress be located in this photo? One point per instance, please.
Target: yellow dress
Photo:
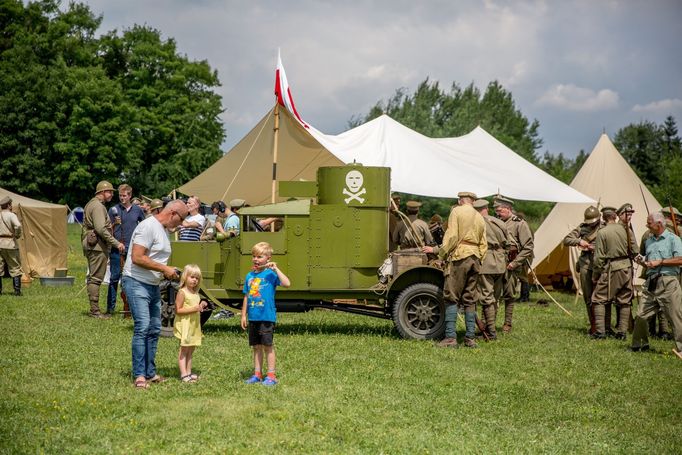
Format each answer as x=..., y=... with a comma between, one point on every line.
x=187, y=327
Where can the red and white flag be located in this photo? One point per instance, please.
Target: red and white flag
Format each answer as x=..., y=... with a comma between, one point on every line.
x=283, y=92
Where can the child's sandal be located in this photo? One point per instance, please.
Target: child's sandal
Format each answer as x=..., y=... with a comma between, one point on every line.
x=195, y=376
x=188, y=379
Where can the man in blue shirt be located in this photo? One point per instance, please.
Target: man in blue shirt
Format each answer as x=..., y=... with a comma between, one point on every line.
x=662, y=286
x=124, y=218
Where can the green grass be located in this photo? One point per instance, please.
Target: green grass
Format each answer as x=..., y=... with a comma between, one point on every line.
x=348, y=385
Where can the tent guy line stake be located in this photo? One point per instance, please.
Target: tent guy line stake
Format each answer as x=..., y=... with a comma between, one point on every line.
x=543, y=288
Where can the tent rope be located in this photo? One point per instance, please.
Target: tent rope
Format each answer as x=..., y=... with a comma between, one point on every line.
x=245, y=158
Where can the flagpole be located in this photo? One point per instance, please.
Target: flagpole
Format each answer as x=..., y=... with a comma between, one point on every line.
x=274, y=153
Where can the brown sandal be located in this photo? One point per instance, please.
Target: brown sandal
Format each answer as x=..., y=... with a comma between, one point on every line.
x=157, y=379
x=141, y=383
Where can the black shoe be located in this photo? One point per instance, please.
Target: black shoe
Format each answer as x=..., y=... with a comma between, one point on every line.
x=639, y=348
x=665, y=336
x=597, y=336
x=620, y=336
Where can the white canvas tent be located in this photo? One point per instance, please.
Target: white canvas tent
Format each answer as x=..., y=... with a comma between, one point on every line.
x=419, y=165
x=606, y=177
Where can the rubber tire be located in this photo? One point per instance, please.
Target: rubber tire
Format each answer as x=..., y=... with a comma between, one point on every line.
x=419, y=313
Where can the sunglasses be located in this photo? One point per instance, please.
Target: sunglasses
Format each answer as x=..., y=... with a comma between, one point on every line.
x=182, y=218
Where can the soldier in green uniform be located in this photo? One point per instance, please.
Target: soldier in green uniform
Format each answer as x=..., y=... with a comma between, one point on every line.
x=464, y=246
x=10, y=231
x=583, y=237
x=97, y=239
x=662, y=287
x=520, y=255
x=405, y=237
x=612, y=274
x=493, y=266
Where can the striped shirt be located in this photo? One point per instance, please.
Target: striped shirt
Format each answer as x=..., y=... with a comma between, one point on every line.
x=193, y=234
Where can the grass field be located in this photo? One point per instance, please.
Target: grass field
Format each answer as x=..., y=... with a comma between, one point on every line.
x=348, y=385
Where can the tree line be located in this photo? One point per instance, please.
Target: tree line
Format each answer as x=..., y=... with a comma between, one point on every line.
x=76, y=108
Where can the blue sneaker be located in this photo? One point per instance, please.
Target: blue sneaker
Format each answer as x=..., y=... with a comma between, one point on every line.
x=253, y=380
x=270, y=381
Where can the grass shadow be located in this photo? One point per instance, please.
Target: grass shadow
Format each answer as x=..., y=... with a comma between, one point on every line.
x=298, y=328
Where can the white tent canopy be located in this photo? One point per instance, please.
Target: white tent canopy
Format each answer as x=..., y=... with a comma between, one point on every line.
x=606, y=177
x=421, y=165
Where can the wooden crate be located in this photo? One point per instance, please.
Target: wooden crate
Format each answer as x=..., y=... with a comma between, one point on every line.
x=403, y=260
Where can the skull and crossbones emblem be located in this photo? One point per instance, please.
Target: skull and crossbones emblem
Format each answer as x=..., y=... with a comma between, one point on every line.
x=354, y=181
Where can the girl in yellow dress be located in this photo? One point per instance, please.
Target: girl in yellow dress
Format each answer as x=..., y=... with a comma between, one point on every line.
x=187, y=326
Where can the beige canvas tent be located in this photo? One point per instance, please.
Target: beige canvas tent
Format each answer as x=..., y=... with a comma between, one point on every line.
x=246, y=171
x=43, y=242
x=607, y=178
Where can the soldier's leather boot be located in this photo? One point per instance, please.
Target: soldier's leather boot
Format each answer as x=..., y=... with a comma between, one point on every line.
x=489, y=313
x=598, y=311
x=508, y=314
x=16, y=281
x=447, y=343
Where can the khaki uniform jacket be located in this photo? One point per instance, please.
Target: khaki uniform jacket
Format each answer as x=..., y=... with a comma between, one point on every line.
x=10, y=230
x=466, y=235
x=611, y=249
x=402, y=238
x=95, y=218
x=588, y=233
x=522, y=241
x=497, y=237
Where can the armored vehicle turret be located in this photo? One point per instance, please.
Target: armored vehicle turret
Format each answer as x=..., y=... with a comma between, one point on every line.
x=331, y=239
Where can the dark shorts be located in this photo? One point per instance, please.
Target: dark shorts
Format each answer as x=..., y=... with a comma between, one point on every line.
x=261, y=332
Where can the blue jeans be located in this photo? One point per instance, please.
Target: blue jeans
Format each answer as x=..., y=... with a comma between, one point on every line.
x=144, y=301
x=114, y=278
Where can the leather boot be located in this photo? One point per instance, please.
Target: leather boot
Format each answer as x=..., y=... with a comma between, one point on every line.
x=623, y=320
x=489, y=318
x=508, y=313
x=590, y=315
x=599, y=326
x=16, y=281
x=607, y=319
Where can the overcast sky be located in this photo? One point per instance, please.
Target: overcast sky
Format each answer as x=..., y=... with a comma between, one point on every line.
x=579, y=67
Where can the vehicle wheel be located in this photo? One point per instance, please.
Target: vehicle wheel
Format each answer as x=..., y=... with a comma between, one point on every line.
x=418, y=312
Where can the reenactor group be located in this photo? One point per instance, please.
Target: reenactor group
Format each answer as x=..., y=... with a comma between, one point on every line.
x=483, y=259
x=606, y=267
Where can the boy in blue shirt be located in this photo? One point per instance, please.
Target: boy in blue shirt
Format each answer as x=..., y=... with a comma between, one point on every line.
x=259, y=308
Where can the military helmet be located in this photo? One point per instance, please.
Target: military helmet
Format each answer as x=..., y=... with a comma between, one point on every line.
x=156, y=204
x=591, y=214
x=104, y=186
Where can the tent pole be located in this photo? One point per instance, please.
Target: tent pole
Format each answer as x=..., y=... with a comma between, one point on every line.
x=274, y=153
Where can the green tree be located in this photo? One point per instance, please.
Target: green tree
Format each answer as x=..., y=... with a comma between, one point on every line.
x=654, y=153
x=75, y=109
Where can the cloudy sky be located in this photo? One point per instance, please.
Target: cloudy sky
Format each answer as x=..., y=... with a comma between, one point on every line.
x=579, y=67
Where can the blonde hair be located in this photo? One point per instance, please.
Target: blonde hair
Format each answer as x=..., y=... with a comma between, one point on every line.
x=189, y=271
x=263, y=248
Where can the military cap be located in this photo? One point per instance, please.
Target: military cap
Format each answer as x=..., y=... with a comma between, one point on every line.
x=413, y=204
x=664, y=211
x=237, y=203
x=467, y=194
x=6, y=200
x=156, y=204
x=625, y=208
x=104, y=186
x=607, y=209
x=480, y=204
x=136, y=201
x=501, y=200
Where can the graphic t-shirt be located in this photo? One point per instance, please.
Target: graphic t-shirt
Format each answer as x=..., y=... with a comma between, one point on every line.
x=259, y=288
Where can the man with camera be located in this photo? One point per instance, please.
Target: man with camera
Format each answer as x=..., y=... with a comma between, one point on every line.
x=662, y=286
